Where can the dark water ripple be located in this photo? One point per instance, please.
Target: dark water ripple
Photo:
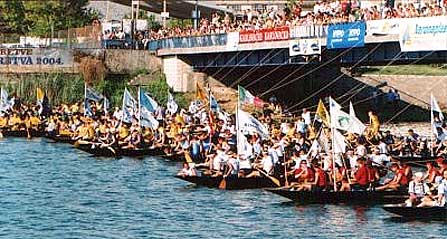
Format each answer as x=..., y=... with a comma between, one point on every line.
x=54, y=191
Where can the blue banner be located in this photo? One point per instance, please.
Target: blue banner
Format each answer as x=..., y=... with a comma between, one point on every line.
x=346, y=35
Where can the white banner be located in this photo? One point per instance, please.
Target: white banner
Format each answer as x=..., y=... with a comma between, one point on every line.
x=383, y=27
x=423, y=34
x=304, y=47
x=35, y=57
x=127, y=26
x=232, y=41
x=141, y=25
x=308, y=31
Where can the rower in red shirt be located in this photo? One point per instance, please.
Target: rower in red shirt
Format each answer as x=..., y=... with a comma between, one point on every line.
x=319, y=182
x=399, y=181
x=362, y=175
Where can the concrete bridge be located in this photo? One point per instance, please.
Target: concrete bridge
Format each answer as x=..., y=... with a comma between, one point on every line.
x=184, y=57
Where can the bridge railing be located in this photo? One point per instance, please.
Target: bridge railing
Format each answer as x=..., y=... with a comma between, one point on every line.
x=188, y=42
x=309, y=31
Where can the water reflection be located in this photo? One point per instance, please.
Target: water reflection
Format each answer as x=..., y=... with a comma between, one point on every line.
x=55, y=191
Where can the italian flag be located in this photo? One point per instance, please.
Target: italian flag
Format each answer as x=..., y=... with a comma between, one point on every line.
x=246, y=98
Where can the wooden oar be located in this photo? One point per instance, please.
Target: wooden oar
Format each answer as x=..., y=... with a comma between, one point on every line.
x=223, y=183
x=274, y=180
x=188, y=157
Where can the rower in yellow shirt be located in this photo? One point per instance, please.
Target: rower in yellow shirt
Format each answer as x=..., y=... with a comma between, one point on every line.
x=123, y=132
x=14, y=122
x=3, y=121
x=35, y=121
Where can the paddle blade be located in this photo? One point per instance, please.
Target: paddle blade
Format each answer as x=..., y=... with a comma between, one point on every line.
x=275, y=181
x=188, y=157
x=223, y=184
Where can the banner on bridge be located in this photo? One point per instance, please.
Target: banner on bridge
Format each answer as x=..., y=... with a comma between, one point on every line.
x=423, y=34
x=35, y=57
x=383, y=27
x=264, y=35
x=308, y=31
x=346, y=35
x=305, y=47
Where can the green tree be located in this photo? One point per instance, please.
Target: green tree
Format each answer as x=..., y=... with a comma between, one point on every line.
x=40, y=17
x=13, y=16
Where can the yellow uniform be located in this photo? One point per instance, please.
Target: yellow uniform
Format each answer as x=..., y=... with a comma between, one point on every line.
x=35, y=121
x=3, y=122
x=123, y=132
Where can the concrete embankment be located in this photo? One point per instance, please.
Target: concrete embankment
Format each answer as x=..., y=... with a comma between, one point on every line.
x=412, y=89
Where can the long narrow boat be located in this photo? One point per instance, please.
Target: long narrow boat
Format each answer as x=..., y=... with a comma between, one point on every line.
x=424, y=213
x=346, y=197
x=118, y=152
x=415, y=161
x=231, y=183
x=61, y=139
x=22, y=133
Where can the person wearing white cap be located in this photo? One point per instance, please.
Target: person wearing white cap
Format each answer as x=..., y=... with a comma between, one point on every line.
x=418, y=190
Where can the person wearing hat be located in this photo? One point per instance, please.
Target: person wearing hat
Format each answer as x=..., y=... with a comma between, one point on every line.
x=419, y=191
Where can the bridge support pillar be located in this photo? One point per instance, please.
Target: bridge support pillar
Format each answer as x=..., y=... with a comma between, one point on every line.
x=179, y=75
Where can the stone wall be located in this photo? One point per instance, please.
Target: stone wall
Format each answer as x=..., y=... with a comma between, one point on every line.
x=126, y=61
x=117, y=61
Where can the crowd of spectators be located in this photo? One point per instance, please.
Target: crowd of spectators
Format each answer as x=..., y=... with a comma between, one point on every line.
x=323, y=13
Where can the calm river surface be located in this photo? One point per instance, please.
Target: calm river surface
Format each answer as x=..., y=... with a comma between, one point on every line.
x=51, y=190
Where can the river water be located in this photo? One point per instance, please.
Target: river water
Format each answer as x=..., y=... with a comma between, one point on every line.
x=52, y=190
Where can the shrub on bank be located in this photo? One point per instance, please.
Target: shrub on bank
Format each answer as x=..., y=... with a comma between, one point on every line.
x=69, y=88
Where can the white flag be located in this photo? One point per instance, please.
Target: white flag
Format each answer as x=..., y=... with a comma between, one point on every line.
x=129, y=107
x=351, y=110
x=248, y=123
x=5, y=104
x=343, y=121
x=148, y=119
x=172, y=106
x=339, y=145
x=435, y=108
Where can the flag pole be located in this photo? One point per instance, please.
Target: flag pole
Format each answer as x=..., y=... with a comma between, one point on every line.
x=333, y=150
x=85, y=97
x=122, y=107
x=139, y=107
x=237, y=125
x=431, y=124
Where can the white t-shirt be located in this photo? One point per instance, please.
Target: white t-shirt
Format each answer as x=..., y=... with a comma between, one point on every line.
x=267, y=164
x=420, y=189
x=306, y=118
x=379, y=160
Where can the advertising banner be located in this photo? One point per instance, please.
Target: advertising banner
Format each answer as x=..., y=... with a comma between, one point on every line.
x=232, y=41
x=35, y=57
x=311, y=31
x=346, y=35
x=262, y=35
x=383, y=27
x=305, y=47
x=423, y=34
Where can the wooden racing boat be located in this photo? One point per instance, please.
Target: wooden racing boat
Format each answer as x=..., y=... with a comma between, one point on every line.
x=231, y=183
x=346, y=197
x=414, y=161
x=98, y=151
x=61, y=139
x=22, y=133
x=424, y=213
